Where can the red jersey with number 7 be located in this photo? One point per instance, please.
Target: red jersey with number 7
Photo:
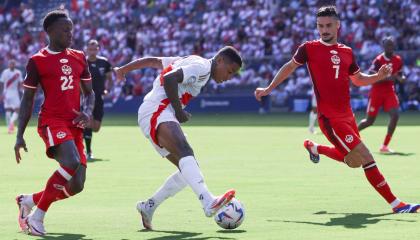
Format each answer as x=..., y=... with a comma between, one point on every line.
x=329, y=66
x=59, y=74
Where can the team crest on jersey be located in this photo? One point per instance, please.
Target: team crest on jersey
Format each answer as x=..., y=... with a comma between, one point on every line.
x=349, y=138
x=66, y=69
x=335, y=59
x=333, y=52
x=64, y=60
x=61, y=135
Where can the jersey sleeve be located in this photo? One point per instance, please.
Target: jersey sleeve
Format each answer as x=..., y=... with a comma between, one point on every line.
x=85, y=76
x=166, y=61
x=108, y=67
x=191, y=73
x=32, y=76
x=400, y=65
x=300, y=56
x=354, y=67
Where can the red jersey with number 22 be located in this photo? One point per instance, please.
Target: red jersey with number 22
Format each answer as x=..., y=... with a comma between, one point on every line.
x=329, y=67
x=59, y=74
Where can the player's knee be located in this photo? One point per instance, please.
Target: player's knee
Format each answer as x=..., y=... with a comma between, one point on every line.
x=78, y=186
x=185, y=149
x=96, y=128
x=353, y=163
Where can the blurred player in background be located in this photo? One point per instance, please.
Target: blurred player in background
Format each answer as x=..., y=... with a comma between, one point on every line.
x=331, y=66
x=100, y=69
x=313, y=114
x=63, y=74
x=10, y=85
x=382, y=93
x=161, y=113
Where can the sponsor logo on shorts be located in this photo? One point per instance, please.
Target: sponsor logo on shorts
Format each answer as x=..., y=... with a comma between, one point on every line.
x=349, y=138
x=63, y=60
x=58, y=186
x=61, y=135
x=371, y=109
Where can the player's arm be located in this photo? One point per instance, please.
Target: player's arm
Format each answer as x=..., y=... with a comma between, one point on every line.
x=281, y=75
x=363, y=79
x=25, y=112
x=109, y=84
x=170, y=84
x=88, y=101
x=146, y=62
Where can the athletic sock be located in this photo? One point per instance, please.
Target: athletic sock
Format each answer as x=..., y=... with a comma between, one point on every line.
x=8, y=116
x=54, y=187
x=387, y=139
x=378, y=181
x=13, y=118
x=65, y=193
x=312, y=119
x=87, y=135
x=173, y=184
x=330, y=152
x=192, y=175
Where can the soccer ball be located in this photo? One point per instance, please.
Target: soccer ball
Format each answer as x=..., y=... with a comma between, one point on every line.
x=231, y=215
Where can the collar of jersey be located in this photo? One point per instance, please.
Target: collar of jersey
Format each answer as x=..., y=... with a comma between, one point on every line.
x=51, y=51
x=325, y=43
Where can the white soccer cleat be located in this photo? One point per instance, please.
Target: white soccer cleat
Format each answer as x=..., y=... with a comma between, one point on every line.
x=35, y=226
x=219, y=202
x=24, y=211
x=146, y=210
x=386, y=150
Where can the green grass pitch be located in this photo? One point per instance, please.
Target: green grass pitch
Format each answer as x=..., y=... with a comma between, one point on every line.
x=285, y=195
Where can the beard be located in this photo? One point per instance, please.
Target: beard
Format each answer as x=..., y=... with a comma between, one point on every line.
x=327, y=38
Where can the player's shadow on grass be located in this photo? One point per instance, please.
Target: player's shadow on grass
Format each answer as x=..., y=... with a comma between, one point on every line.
x=64, y=236
x=97, y=160
x=351, y=220
x=179, y=235
x=396, y=154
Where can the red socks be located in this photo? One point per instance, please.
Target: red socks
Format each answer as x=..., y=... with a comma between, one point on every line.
x=66, y=193
x=387, y=139
x=330, y=152
x=376, y=179
x=54, y=188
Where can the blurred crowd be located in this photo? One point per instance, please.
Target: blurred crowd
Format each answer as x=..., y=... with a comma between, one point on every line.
x=266, y=32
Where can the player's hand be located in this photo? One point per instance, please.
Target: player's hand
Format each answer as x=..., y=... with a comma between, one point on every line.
x=182, y=116
x=261, y=92
x=384, y=71
x=82, y=119
x=20, y=143
x=119, y=73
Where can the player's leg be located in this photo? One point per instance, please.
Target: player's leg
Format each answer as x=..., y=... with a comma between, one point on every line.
x=361, y=156
x=173, y=184
x=87, y=135
x=93, y=126
x=366, y=122
x=391, y=106
x=68, y=157
x=375, y=102
x=315, y=149
x=171, y=137
x=313, y=115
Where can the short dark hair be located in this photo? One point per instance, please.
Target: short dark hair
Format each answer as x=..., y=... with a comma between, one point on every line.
x=52, y=17
x=388, y=38
x=232, y=54
x=327, y=11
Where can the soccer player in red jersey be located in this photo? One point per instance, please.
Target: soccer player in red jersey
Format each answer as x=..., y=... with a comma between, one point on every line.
x=331, y=65
x=62, y=73
x=382, y=93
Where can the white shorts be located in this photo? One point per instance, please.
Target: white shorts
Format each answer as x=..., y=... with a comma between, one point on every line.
x=12, y=102
x=149, y=118
x=313, y=102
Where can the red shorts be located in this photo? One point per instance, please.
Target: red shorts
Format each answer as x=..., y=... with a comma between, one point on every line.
x=56, y=133
x=387, y=100
x=341, y=132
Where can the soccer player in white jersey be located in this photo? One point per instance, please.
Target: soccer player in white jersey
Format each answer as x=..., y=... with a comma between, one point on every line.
x=161, y=113
x=10, y=82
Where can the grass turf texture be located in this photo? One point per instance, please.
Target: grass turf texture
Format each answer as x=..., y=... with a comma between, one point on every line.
x=285, y=195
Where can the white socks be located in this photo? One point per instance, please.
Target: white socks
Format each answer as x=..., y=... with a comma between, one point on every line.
x=173, y=184
x=312, y=119
x=8, y=116
x=13, y=118
x=193, y=176
x=38, y=214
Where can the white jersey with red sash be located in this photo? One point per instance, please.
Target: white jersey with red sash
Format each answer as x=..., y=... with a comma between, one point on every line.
x=11, y=81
